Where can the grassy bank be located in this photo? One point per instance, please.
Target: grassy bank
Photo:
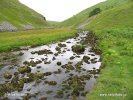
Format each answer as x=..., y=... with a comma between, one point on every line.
x=11, y=40
x=117, y=58
x=114, y=28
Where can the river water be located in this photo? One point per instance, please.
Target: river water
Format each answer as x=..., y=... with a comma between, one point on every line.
x=67, y=80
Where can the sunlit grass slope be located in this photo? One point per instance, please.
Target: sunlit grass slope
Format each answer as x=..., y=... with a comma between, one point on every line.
x=19, y=15
x=12, y=40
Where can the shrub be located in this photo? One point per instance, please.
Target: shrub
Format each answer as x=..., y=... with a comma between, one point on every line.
x=94, y=12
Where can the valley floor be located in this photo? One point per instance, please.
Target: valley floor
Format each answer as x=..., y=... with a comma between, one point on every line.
x=14, y=40
x=116, y=79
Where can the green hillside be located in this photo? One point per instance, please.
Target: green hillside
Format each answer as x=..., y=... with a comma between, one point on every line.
x=114, y=29
x=19, y=15
x=108, y=7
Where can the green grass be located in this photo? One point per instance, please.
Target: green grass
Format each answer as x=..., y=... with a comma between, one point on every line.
x=117, y=59
x=53, y=23
x=11, y=40
x=114, y=28
x=83, y=17
x=20, y=15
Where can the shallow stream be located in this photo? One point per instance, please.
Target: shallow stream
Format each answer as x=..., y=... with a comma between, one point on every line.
x=64, y=74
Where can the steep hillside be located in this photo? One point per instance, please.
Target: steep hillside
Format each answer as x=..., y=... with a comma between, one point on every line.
x=122, y=9
x=14, y=15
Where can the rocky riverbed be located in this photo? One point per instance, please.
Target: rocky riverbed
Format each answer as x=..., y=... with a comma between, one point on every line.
x=61, y=71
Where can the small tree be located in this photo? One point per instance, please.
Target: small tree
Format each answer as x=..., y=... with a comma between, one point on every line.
x=94, y=12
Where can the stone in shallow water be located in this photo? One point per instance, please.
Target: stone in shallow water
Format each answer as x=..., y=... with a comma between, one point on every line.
x=7, y=75
x=59, y=94
x=21, y=53
x=50, y=82
x=61, y=45
x=86, y=59
x=47, y=73
x=72, y=57
x=41, y=52
x=59, y=63
x=57, y=72
x=78, y=48
x=24, y=69
x=49, y=92
x=53, y=58
x=68, y=67
x=43, y=98
x=32, y=63
x=58, y=49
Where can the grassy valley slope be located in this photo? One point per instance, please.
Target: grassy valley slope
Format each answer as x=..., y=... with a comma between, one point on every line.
x=114, y=28
x=14, y=15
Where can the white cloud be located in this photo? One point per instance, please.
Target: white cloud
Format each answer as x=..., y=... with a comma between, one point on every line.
x=59, y=10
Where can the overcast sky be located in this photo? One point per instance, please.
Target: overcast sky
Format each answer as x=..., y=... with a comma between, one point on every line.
x=59, y=10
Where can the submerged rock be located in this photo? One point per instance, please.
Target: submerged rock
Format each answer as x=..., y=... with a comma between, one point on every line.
x=60, y=94
x=49, y=92
x=43, y=98
x=57, y=72
x=7, y=75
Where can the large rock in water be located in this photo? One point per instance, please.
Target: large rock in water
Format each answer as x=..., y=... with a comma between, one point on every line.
x=78, y=48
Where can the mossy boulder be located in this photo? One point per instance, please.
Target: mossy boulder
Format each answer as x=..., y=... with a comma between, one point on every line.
x=78, y=48
x=24, y=69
